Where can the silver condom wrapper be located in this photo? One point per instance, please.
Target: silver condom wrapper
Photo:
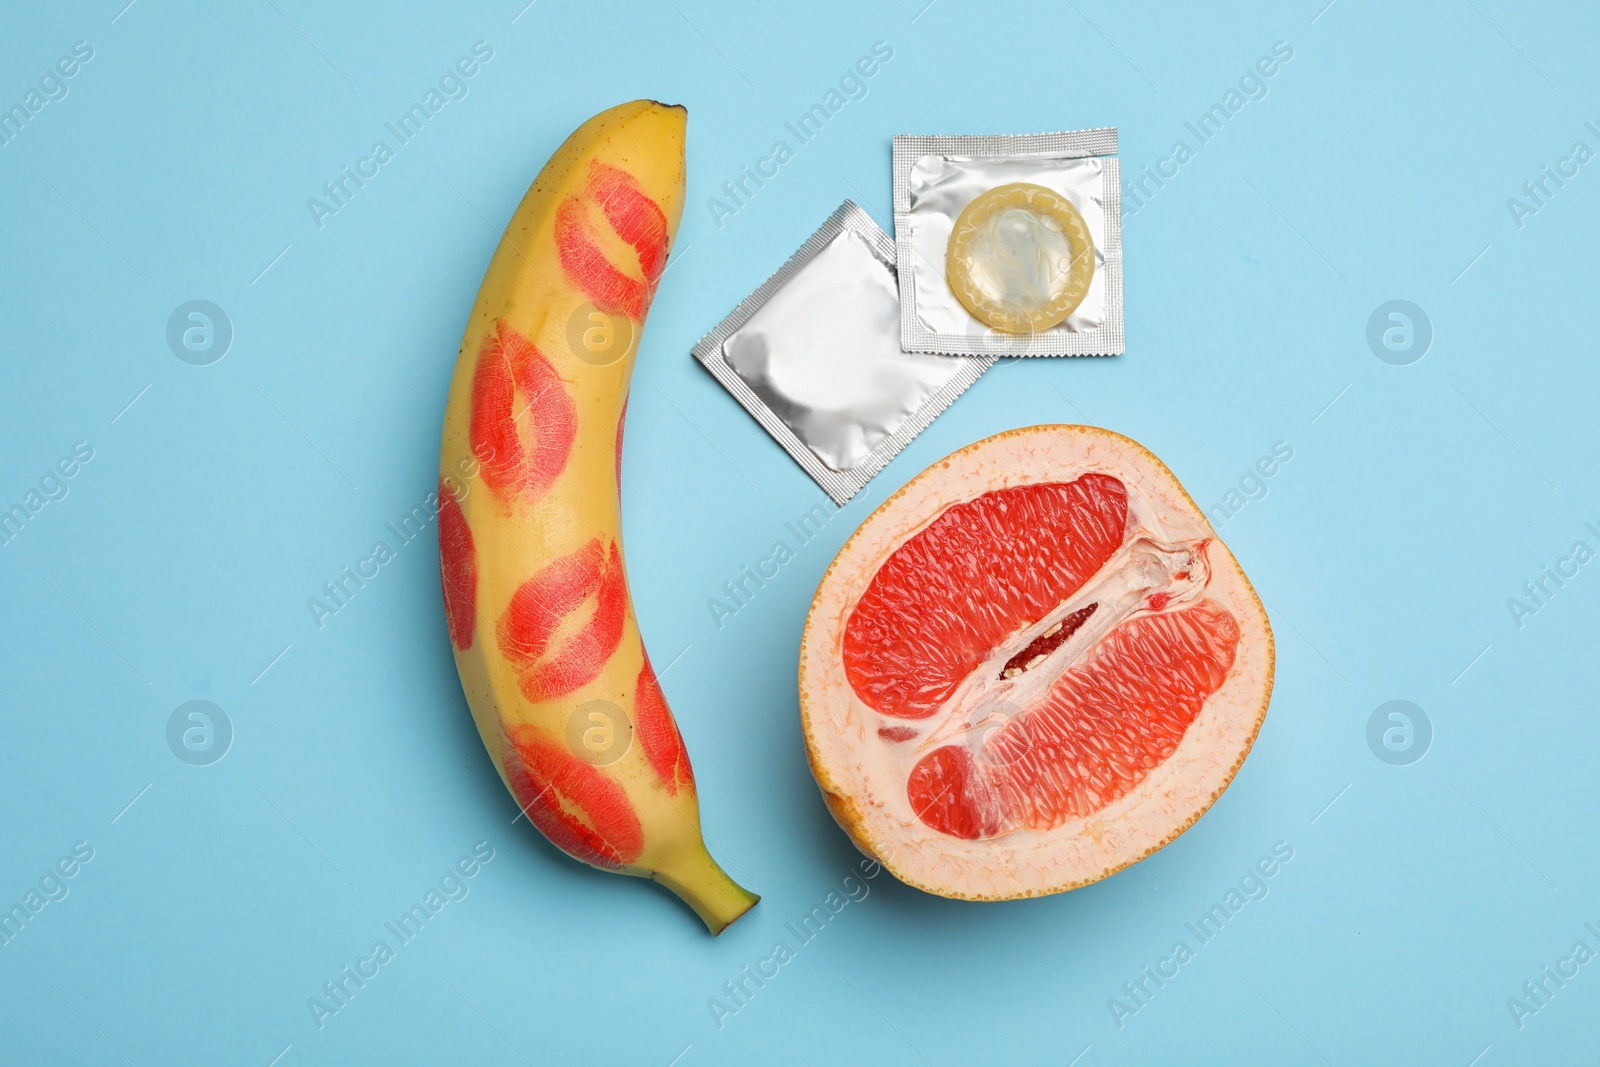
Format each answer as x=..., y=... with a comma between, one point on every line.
x=815, y=356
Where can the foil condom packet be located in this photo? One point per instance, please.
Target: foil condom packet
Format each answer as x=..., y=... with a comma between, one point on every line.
x=814, y=355
x=1010, y=245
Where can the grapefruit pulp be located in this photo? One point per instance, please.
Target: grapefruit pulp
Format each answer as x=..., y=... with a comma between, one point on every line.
x=1031, y=667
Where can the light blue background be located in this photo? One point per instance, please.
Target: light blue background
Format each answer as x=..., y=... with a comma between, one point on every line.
x=1377, y=167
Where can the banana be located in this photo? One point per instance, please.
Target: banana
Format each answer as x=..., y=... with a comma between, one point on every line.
x=530, y=534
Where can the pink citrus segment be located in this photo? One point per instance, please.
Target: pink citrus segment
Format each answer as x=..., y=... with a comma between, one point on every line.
x=584, y=813
x=1099, y=732
x=979, y=572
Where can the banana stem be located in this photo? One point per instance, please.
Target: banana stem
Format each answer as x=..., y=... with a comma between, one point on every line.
x=706, y=888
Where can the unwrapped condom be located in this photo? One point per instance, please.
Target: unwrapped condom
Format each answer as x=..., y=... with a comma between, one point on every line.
x=1020, y=258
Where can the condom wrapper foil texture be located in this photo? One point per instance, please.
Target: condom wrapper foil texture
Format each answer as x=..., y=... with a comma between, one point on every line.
x=935, y=178
x=814, y=355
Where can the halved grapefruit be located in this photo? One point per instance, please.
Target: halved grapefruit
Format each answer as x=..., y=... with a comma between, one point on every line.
x=1032, y=666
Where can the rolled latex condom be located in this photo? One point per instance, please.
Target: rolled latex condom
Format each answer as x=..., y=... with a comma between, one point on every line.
x=1020, y=258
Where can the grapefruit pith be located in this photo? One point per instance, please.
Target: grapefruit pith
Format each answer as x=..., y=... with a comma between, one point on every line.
x=1031, y=667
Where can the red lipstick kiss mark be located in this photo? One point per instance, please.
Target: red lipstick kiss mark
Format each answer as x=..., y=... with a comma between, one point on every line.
x=620, y=420
x=658, y=734
x=523, y=421
x=635, y=218
x=583, y=813
x=588, y=268
x=539, y=607
x=458, y=569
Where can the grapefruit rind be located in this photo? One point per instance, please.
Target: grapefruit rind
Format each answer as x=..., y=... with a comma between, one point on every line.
x=863, y=781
